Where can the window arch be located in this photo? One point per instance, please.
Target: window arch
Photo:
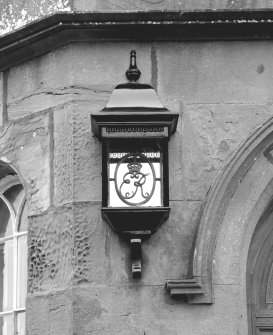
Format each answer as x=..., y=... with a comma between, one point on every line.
x=13, y=256
x=260, y=275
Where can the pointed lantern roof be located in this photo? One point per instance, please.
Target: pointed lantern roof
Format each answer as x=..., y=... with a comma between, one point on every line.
x=134, y=104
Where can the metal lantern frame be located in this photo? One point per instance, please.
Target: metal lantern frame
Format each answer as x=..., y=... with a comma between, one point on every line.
x=134, y=123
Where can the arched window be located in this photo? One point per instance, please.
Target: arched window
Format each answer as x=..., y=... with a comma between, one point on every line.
x=13, y=256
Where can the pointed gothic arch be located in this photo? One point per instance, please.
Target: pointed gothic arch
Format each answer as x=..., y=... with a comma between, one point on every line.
x=259, y=276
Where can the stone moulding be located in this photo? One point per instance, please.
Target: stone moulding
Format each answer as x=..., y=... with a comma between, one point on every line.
x=189, y=287
x=198, y=287
x=59, y=29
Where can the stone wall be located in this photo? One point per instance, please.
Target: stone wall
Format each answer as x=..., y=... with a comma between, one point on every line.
x=16, y=14
x=79, y=269
x=182, y=5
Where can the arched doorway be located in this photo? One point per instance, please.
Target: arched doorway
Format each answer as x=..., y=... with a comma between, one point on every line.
x=260, y=277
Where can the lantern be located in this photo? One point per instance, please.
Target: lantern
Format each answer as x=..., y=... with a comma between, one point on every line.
x=134, y=128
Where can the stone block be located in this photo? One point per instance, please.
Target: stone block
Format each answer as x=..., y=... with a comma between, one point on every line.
x=106, y=63
x=3, y=98
x=99, y=256
x=149, y=310
x=49, y=314
x=77, y=155
x=210, y=135
x=37, y=315
x=60, y=313
x=166, y=254
x=102, y=257
x=101, y=310
x=36, y=85
x=183, y=5
x=87, y=153
x=215, y=72
x=63, y=156
x=26, y=146
x=176, y=156
x=51, y=250
x=87, y=73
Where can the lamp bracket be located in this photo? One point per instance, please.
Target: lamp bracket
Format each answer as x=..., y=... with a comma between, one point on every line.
x=136, y=257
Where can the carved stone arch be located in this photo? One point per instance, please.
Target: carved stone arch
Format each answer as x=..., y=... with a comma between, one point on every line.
x=239, y=196
x=259, y=276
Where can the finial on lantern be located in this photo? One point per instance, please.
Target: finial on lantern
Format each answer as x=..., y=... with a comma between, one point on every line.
x=133, y=72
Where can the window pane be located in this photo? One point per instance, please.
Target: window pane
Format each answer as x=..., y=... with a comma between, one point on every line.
x=23, y=220
x=6, y=325
x=14, y=196
x=5, y=224
x=6, y=276
x=21, y=323
x=22, y=271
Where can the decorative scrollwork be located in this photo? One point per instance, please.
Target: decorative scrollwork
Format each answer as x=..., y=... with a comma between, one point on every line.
x=132, y=186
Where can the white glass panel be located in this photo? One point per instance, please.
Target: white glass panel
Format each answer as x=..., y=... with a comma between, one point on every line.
x=22, y=271
x=6, y=276
x=135, y=179
x=23, y=220
x=6, y=325
x=5, y=220
x=14, y=196
x=21, y=323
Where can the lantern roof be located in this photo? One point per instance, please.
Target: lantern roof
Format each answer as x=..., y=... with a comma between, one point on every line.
x=134, y=105
x=134, y=96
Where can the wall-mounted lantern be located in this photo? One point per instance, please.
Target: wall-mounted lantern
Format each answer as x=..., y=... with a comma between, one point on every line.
x=134, y=128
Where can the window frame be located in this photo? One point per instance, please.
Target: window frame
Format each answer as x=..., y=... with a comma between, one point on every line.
x=5, y=184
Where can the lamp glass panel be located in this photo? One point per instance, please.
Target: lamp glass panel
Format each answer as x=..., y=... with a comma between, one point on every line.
x=135, y=177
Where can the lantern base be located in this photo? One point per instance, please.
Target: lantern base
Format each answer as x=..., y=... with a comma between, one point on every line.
x=139, y=222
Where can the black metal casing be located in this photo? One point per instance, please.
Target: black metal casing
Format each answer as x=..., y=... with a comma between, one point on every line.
x=135, y=120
